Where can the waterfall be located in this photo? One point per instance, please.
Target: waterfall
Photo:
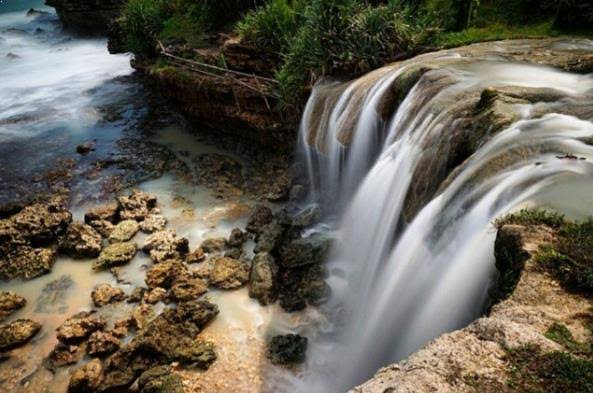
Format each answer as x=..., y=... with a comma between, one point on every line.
x=416, y=189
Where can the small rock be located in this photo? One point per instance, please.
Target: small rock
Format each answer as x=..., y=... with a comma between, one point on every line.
x=142, y=315
x=136, y=206
x=81, y=241
x=196, y=256
x=269, y=237
x=102, y=344
x=85, y=148
x=214, y=245
x=228, y=273
x=188, y=289
x=297, y=193
x=63, y=355
x=262, y=279
x=9, y=303
x=87, y=378
x=153, y=223
x=124, y=231
x=236, y=238
x=287, y=349
x=79, y=327
x=259, y=216
x=115, y=255
x=105, y=294
x=234, y=253
x=160, y=380
x=17, y=333
x=136, y=295
x=155, y=295
x=107, y=212
x=306, y=251
x=307, y=217
x=103, y=227
x=165, y=274
x=163, y=245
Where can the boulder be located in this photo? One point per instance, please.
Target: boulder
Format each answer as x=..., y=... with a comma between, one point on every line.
x=17, y=333
x=188, y=289
x=260, y=215
x=262, y=279
x=104, y=294
x=155, y=295
x=124, y=231
x=107, y=212
x=269, y=237
x=101, y=344
x=27, y=262
x=87, y=378
x=195, y=256
x=170, y=337
x=9, y=303
x=302, y=286
x=136, y=295
x=142, y=315
x=81, y=241
x=153, y=223
x=305, y=251
x=307, y=217
x=235, y=253
x=165, y=274
x=228, y=273
x=136, y=206
x=214, y=245
x=41, y=223
x=160, y=380
x=287, y=349
x=79, y=327
x=236, y=238
x=163, y=245
x=63, y=355
x=103, y=227
x=115, y=255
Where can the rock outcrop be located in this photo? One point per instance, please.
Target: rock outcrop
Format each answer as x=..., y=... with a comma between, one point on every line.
x=87, y=17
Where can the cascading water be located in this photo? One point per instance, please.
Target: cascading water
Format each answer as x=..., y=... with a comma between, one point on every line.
x=400, y=277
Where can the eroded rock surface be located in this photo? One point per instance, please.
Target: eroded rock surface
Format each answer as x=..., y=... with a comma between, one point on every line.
x=104, y=294
x=115, y=255
x=81, y=241
x=9, y=303
x=17, y=333
x=228, y=273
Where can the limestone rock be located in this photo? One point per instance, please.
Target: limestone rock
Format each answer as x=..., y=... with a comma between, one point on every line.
x=165, y=274
x=228, y=273
x=104, y=294
x=287, y=349
x=259, y=216
x=9, y=303
x=136, y=295
x=124, y=231
x=79, y=327
x=155, y=295
x=87, y=378
x=17, y=333
x=214, y=245
x=63, y=355
x=269, y=237
x=262, y=279
x=107, y=212
x=196, y=256
x=305, y=251
x=188, y=289
x=81, y=241
x=115, y=255
x=163, y=245
x=153, y=223
x=236, y=238
x=101, y=344
x=160, y=380
x=136, y=206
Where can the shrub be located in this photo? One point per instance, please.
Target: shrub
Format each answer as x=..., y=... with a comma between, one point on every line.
x=142, y=21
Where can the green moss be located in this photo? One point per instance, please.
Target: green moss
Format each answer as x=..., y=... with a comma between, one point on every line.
x=184, y=28
x=560, y=334
x=530, y=217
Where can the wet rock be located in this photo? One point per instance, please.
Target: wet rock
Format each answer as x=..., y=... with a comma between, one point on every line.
x=305, y=251
x=87, y=378
x=107, y=212
x=136, y=206
x=188, y=289
x=81, y=241
x=307, y=217
x=136, y=295
x=103, y=227
x=228, y=273
x=214, y=245
x=115, y=255
x=153, y=223
x=234, y=253
x=287, y=349
x=155, y=295
x=269, y=237
x=17, y=333
x=79, y=327
x=9, y=303
x=236, y=238
x=160, y=380
x=170, y=337
x=163, y=245
x=297, y=193
x=195, y=256
x=63, y=355
x=124, y=231
x=101, y=344
x=302, y=286
x=165, y=274
x=259, y=216
x=142, y=315
x=105, y=294
x=28, y=262
x=40, y=223
x=85, y=148
x=219, y=172
x=262, y=279
x=280, y=189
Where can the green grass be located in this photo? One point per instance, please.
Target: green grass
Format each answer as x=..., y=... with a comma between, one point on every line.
x=183, y=28
x=530, y=217
x=560, y=334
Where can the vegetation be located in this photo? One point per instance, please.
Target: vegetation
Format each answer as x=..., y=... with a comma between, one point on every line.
x=560, y=334
x=530, y=217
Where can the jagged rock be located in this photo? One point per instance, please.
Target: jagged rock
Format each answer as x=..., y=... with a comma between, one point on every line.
x=85, y=148
x=280, y=189
x=28, y=262
x=262, y=279
x=155, y=295
x=235, y=253
x=115, y=255
x=136, y=206
x=81, y=241
x=9, y=303
x=105, y=294
x=91, y=18
x=269, y=237
x=196, y=256
x=287, y=349
x=41, y=223
x=124, y=231
x=101, y=344
x=153, y=223
x=214, y=245
x=17, y=333
x=302, y=286
x=305, y=251
x=160, y=380
x=87, y=378
x=142, y=315
x=228, y=273
x=103, y=227
x=165, y=274
x=63, y=355
x=188, y=289
x=79, y=327
x=307, y=217
x=169, y=337
x=107, y=212
x=136, y=295
x=163, y=245
x=121, y=327
x=259, y=216
x=236, y=238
